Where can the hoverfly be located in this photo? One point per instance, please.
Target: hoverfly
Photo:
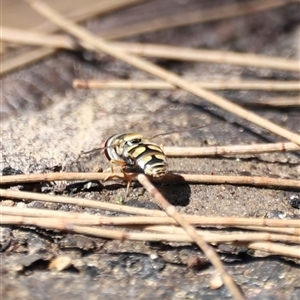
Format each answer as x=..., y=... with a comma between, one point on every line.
x=136, y=154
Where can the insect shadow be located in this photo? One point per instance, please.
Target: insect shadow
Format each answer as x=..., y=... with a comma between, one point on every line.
x=177, y=194
x=176, y=190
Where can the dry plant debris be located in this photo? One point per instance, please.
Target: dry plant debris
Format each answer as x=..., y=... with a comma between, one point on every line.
x=102, y=45
x=222, y=85
x=102, y=7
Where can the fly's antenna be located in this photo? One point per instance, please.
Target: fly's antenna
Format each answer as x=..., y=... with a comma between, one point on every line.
x=83, y=153
x=92, y=150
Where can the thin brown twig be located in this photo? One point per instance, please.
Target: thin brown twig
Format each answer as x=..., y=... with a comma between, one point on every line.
x=212, y=56
x=286, y=231
x=162, y=51
x=155, y=70
x=165, y=233
x=292, y=231
x=264, y=85
x=80, y=202
x=209, y=252
x=279, y=249
x=227, y=237
x=188, y=178
x=243, y=180
x=34, y=38
x=229, y=150
x=288, y=226
x=278, y=101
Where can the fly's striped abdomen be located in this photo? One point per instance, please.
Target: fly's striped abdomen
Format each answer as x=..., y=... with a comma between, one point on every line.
x=137, y=153
x=150, y=158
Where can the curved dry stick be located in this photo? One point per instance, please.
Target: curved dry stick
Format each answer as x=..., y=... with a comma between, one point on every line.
x=170, y=77
x=158, y=217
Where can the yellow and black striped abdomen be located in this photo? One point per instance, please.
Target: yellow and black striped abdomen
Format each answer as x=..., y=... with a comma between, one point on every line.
x=149, y=157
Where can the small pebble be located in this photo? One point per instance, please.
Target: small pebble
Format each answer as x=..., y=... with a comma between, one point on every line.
x=216, y=282
x=60, y=263
x=7, y=203
x=21, y=205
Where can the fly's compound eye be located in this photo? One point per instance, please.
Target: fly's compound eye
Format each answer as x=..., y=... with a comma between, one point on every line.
x=134, y=142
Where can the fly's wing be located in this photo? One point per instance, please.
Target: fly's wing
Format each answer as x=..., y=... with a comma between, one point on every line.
x=179, y=131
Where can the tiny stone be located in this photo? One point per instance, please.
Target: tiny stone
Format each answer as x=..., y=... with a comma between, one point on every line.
x=216, y=282
x=7, y=203
x=60, y=263
x=21, y=205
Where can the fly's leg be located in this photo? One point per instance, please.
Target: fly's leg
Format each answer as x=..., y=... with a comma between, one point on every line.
x=113, y=162
x=128, y=177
